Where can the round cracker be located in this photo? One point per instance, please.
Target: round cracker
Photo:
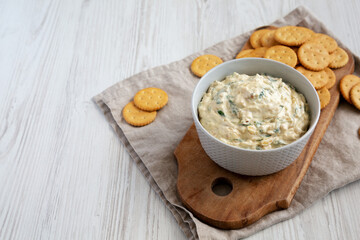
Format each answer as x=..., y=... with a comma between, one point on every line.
x=257, y=52
x=331, y=78
x=242, y=53
x=328, y=42
x=355, y=95
x=296, y=49
x=324, y=96
x=204, y=63
x=282, y=54
x=339, y=58
x=313, y=56
x=268, y=40
x=256, y=36
x=293, y=35
x=346, y=83
x=318, y=79
x=150, y=99
x=137, y=117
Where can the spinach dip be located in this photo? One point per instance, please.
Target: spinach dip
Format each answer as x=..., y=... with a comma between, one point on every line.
x=254, y=112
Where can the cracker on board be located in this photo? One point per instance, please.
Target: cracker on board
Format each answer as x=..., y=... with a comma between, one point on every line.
x=355, y=95
x=204, y=63
x=326, y=41
x=293, y=35
x=150, y=99
x=313, y=56
x=137, y=117
x=258, y=52
x=296, y=49
x=282, y=54
x=243, y=53
x=318, y=79
x=256, y=36
x=268, y=40
x=339, y=58
x=324, y=96
x=346, y=83
x=331, y=78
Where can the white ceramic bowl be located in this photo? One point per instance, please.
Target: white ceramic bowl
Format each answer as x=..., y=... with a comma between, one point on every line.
x=246, y=161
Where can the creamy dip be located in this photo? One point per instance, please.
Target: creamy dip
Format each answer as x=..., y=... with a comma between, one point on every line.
x=254, y=112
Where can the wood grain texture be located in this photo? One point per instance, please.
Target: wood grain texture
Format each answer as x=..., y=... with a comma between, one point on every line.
x=63, y=172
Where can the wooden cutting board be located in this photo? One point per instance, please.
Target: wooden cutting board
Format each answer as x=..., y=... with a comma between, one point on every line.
x=230, y=201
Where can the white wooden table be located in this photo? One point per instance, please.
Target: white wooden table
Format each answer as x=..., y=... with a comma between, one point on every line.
x=64, y=174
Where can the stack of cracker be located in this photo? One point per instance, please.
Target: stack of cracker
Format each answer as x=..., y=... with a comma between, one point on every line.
x=350, y=90
x=312, y=54
x=142, y=111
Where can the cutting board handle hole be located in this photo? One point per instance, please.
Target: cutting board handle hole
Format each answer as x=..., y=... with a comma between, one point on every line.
x=221, y=186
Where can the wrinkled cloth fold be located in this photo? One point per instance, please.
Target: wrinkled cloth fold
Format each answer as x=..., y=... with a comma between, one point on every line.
x=152, y=147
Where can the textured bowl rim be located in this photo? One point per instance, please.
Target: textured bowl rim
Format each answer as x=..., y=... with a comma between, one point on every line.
x=306, y=81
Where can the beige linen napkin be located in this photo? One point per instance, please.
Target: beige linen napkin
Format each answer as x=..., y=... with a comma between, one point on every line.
x=335, y=164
